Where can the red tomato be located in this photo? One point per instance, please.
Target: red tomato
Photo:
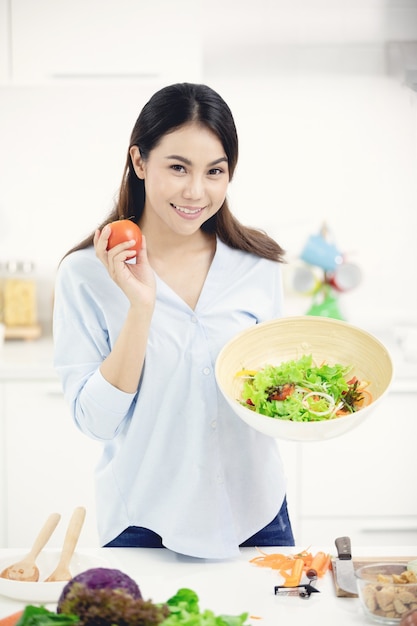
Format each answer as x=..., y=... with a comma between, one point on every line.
x=124, y=230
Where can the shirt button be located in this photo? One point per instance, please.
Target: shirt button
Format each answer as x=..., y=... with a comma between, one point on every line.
x=214, y=424
x=194, y=320
x=206, y=371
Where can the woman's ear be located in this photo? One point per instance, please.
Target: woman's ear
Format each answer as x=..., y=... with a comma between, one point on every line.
x=137, y=161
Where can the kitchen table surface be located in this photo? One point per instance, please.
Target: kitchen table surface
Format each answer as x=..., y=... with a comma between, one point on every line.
x=233, y=586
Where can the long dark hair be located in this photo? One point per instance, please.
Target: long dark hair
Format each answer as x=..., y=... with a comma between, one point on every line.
x=167, y=110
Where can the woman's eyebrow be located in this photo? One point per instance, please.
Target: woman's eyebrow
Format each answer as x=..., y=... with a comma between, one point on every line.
x=177, y=157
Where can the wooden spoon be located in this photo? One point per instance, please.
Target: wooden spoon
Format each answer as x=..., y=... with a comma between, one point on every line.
x=62, y=571
x=26, y=569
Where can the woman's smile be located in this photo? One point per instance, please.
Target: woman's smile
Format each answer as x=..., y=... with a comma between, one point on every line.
x=188, y=211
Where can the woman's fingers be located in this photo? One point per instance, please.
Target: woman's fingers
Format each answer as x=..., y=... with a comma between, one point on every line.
x=100, y=242
x=119, y=254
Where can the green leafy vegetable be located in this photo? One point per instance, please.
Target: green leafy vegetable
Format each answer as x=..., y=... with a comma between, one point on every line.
x=300, y=391
x=115, y=607
x=185, y=611
x=39, y=616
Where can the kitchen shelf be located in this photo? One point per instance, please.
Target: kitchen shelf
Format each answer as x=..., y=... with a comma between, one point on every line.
x=23, y=332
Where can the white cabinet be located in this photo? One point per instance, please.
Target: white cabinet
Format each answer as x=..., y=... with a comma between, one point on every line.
x=50, y=464
x=117, y=39
x=3, y=470
x=363, y=484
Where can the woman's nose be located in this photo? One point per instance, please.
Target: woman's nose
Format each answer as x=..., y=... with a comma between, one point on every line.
x=194, y=187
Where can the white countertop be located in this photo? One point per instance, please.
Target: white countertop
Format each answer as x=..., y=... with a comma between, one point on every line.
x=27, y=359
x=233, y=586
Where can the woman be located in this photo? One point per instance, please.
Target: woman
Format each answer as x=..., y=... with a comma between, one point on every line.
x=136, y=343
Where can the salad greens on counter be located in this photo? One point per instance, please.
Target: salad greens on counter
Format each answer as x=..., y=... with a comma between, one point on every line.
x=180, y=610
x=300, y=391
x=185, y=611
x=40, y=616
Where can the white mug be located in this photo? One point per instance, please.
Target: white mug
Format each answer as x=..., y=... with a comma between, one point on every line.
x=304, y=280
x=346, y=276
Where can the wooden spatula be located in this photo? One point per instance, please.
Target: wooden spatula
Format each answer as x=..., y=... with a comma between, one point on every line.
x=62, y=570
x=26, y=569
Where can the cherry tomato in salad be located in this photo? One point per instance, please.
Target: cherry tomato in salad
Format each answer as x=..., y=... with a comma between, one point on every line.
x=124, y=230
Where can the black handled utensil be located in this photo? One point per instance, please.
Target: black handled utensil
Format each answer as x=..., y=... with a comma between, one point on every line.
x=345, y=571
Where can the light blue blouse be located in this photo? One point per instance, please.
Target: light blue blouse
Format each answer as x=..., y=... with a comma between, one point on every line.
x=176, y=459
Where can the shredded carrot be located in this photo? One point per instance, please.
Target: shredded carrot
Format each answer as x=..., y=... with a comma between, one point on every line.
x=319, y=562
x=326, y=566
x=293, y=578
x=304, y=553
x=274, y=561
x=306, y=556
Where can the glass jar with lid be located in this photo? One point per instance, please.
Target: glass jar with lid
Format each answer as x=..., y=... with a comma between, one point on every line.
x=19, y=294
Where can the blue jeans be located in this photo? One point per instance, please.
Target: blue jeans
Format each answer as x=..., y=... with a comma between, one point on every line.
x=276, y=533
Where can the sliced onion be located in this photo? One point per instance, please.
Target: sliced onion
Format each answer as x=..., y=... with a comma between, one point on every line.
x=326, y=396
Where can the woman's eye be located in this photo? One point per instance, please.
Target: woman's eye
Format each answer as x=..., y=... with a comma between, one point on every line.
x=215, y=171
x=178, y=168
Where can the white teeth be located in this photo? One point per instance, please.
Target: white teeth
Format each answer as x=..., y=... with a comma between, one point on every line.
x=187, y=211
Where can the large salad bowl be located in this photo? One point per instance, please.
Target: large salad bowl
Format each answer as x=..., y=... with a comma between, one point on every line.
x=327, y=340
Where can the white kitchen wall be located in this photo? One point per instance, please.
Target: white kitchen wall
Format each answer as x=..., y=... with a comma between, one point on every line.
x=62, y=153
x=340, y=150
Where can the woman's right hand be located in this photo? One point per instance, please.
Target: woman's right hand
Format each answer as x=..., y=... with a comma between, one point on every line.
x=122, y=367
x=137, y=280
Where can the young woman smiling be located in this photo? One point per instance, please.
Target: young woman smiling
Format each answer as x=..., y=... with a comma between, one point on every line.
x=136, y=342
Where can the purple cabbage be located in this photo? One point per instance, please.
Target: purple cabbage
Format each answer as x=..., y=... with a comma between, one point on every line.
x=102, y=578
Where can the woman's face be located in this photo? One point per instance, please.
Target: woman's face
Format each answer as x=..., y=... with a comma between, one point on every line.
x=186, y=178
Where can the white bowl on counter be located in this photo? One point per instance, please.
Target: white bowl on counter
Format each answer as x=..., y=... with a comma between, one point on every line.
x=40, y=591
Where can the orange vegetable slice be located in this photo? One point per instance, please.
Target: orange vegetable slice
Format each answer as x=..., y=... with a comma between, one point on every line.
x=12, y=619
